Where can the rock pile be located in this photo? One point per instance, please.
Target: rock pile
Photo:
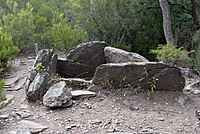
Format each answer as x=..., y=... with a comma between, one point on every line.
x=104, y=65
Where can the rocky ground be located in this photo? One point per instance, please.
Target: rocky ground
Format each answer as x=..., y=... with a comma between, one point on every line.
x=110, y=111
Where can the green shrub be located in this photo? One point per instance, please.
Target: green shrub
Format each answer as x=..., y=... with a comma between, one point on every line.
x=63, y=36
x=122, y=46
x=7, y=50
x=171, y=55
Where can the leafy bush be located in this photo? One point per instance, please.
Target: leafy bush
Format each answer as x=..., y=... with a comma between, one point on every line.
x=171, y=55
x=7, y=50
x=63, y=36
x=121, y=46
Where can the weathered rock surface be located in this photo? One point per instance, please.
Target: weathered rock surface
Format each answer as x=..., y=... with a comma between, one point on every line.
x=114, y=55
x=33, y=127
x=142, y=74
x=70, y=69
x=19, y=131
x=58, y=95
x=82, y=94
x=15, y=82
x=48, y=59
x=37, y=88
x=193, y=87
x=90, y=53
x=94, y=88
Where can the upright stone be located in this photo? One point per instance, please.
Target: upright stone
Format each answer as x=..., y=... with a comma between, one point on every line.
x=48, y=59
x=70, y=69
x=40, y=75
x=90, y=53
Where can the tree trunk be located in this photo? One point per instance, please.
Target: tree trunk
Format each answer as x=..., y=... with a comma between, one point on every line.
x=195, y=14
x=167, y=22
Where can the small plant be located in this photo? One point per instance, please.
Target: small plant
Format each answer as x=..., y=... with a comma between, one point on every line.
x=2, y=96
x=125, y=83
x=104, y=82
x=171, y=55
x=3, y=100
x=39, y=67
x=85, y=84
x=144, y=75
x=152, y=85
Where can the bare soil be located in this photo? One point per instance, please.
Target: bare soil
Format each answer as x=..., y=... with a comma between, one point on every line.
x=111, y=111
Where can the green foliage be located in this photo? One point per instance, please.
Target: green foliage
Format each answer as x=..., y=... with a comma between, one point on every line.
x=196, y=55
x=172, y=55
x=19, y=24
x=125, y=84
x=63, y=36
x=4, y=101
x=132, y=25
x=7, y=50
x=152, y=85
x=2, y=96
x=39, y=67
x=41, y=21
x=121, y=46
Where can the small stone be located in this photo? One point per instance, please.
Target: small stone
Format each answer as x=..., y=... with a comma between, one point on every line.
x=33, y=127
x=68, y=128
x=59, y=95
x=95, y=122
x=145, y=130
x=23, y=114
x=77, y=94
x=84, y=132
x=4, y=116
x=182, y=100
x=161, y=119
x=24, y=106
x=19, y=131
x=111, y=130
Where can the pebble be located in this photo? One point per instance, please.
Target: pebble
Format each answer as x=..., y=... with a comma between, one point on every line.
x=24, y=106
x=5, y=116
x=95, y=122
x=161, y=119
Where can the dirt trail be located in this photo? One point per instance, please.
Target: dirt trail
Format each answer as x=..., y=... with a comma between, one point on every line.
x=111, y=111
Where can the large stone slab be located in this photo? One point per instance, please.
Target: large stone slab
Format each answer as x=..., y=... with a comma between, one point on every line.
x=115, y=55
x=139, y=74
x=19, y=131
x=70, y=69
x=58, y=95
x=90, y=53
x=33, y=127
